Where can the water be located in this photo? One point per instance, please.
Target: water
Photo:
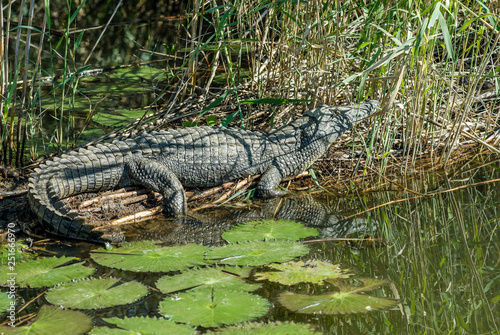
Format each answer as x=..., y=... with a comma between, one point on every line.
x=440, y=254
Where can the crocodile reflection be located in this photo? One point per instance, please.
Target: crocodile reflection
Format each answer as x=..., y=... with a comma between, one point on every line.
x=206, y=226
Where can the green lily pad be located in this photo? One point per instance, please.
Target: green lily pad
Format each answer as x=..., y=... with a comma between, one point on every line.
x=292, y=273
x=55, y=321
x=96, y=293
x=260, y=328
x=111, y=331
x=240, y=271
x=257, y=253
x=143, y=325
x=123, y=117
x=346, y=301
x=208, y=277
x=46, y=272
x=96, y=90
x=138, y=73
x=268, y=230
x=146, y=256
x=212, y=307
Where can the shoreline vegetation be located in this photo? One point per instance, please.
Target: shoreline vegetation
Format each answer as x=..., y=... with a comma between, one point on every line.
x=259, y=65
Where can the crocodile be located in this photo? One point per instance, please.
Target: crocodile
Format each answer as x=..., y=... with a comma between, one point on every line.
x=166, y=160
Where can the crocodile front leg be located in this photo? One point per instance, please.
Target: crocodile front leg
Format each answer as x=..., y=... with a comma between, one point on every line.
x=269, y=183
x=161, y=179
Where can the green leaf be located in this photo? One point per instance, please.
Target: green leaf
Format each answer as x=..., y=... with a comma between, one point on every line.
x=207, y=277
x=257, y=253
x=228, y=119
x=268, y=230
x=54, y=321
x=190, y=124
x=143, y=325
x=216, y=102
x=146, y=256
x=30, y=28
x=292, y=273
x=261, y=328
x=46, y=272
x=446, y=36
x=73, y=16
x=96, y=293
x=211, y=120
x=212, y=307
x=346, y=301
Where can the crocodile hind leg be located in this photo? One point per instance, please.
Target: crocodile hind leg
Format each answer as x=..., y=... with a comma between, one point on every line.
x=161, y=179
x=269, y=182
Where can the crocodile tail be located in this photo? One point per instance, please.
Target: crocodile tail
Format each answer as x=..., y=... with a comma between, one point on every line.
x=48, y=208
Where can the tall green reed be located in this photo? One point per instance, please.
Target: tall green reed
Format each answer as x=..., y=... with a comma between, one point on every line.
x=22, y=114
x=331, y=52
x=431, y=58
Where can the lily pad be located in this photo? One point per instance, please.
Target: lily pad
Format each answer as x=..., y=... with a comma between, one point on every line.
x=46, y=272
x=96, y=293
x=208, y=277
x=260, y=328
x=143, y=325
x=212, y=307
x=268, y=230
x=122, y=117
x=257, y=253
x=55, y=321
x=137, y=73
x=146, y=256
x=292, y=273
x=346, y=301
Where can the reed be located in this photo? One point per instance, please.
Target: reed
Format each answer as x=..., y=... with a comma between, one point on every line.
x=433, y=65
x=434, y=61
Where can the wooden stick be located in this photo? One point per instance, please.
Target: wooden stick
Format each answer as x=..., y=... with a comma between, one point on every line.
x=12, y=194
x=120, y=193
x=133, y=217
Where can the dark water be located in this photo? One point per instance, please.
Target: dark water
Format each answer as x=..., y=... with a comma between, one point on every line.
x=441, y=254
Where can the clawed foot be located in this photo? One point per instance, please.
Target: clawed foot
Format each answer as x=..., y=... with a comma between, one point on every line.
x=271, y=193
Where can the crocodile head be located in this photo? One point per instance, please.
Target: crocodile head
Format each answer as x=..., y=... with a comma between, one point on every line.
x=331, y=122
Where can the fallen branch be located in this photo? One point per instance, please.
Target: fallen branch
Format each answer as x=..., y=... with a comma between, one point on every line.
x=12, y=194
x=120, y=193
x=133, y=217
